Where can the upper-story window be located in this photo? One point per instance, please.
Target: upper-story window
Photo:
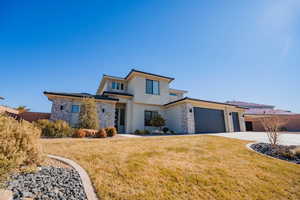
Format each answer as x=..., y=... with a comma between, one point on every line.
x=152, y=87
x=117, y=86
x=173, y=94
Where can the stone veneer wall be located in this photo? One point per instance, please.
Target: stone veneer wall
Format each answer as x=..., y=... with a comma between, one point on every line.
x=107, y=118
x=188, y=122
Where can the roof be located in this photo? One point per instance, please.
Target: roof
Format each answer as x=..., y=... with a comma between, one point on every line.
x=250, y=105
x=259, y=111
x=147, y=73
x=113, y=77
x=200, y=100
x=81, y=95
x=118, y=93
x=34, y=116
x=177, y=91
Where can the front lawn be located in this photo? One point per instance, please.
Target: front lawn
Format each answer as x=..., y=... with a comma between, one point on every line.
x=179, y=167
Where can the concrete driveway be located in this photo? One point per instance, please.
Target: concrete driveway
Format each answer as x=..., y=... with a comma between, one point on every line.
x=284, y=139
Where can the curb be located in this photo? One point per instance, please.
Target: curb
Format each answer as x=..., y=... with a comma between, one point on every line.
x=86, y=182
x=248, y=146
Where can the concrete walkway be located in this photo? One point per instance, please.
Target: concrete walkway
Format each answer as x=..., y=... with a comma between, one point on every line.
x=284, y=139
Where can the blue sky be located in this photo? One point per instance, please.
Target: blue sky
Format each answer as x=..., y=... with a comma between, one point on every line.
x=218, y=50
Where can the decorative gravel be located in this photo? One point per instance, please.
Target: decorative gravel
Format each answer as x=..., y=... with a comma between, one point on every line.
x=48, y=183
x=280, y=151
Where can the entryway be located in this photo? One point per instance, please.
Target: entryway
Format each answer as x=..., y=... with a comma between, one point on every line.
x=120, y=118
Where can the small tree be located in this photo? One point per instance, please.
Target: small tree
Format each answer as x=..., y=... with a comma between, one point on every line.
x=88, y=116
x=272, y=125
x=22, y=109
x=158, y=121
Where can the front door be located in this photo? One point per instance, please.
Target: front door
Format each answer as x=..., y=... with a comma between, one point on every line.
x=120, y=119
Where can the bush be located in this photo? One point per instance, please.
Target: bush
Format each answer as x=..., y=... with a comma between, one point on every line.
x=101, y=133
x=55, y=129
x=88, y=116
x=296, y=152
x=158, y=121
x=19, y=144
x=79, y=133
x=165, y=130
x=141, y=132
x=90, y=132
x=111, y=131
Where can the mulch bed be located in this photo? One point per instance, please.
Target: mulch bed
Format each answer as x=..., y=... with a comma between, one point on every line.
x=282, y=152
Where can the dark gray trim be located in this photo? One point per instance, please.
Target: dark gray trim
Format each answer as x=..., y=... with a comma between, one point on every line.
x=118, y=93
x=199, y=100
x=134, y=70
x=81, y=95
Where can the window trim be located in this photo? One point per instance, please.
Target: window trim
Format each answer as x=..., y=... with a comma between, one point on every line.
x=152, y=114
x=74, y=105
x=151, y=88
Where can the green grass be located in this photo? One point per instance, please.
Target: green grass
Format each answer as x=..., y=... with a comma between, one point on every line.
x=181, y=167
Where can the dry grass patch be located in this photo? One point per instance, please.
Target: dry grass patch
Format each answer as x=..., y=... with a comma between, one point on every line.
x=181, y=167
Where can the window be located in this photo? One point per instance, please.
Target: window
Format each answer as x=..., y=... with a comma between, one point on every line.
x=149, y=115
x=113, y=85
x=173, y=94
x=117, y=86
x=152, y=87
x=75, y=108
x=61, y=107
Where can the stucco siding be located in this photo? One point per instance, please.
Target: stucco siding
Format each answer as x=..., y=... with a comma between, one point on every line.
x=137, y=86
x=174, y=118
x=138, y=116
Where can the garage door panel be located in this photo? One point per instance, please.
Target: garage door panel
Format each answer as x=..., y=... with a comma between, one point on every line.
x=209, y=120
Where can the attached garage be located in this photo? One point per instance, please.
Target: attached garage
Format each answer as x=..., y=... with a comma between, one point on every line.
x=199, y=116
x=209, y=120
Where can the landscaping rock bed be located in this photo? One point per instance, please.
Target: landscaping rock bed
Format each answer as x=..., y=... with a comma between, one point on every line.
x=47, y=183
x=279, y=151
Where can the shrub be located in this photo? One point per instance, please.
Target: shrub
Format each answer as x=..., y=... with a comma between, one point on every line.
x=158, y=121
x=101, y=133
x=90, y=132
x=165, y=129
x=296, y=152
x=79, y=133
x=19, y=144
x=111, y=131
x=142, y=132
x=55, y=129
x=88, y=116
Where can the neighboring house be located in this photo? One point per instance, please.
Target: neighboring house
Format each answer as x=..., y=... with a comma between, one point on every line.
x=255, y=112
x=129, y=103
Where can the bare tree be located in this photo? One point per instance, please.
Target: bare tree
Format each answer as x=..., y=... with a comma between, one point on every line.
x=272, y=125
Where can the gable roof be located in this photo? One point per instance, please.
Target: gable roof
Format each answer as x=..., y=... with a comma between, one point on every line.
x=250, y=105
x=81, y=95
x=147, y=73
x=200, y=100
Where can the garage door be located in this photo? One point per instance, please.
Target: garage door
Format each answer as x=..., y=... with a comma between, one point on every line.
x=209, y=120
x=236, y=123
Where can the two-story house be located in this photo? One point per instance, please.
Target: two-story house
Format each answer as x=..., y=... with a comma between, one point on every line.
x=129, y=103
